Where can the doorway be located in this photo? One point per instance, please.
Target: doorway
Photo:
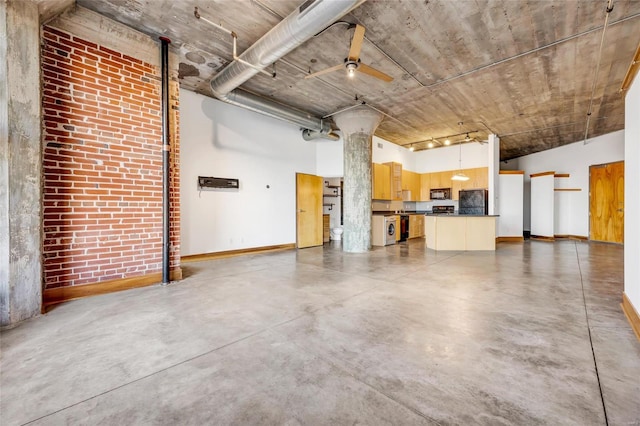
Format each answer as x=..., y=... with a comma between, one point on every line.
x=606, y=202
x=308, y=210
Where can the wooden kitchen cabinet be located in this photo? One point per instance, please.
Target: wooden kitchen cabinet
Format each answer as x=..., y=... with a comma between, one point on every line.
x=456, y=186
x=381, y=185
x=411, y=182
x=406, y=180
x=416, y=226
x=441, y=179
x=415, y=186
x=425, y=187
x=396, y=180
x=478, y=178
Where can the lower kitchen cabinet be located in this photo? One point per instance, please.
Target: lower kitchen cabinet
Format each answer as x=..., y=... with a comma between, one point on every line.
x=416, y=226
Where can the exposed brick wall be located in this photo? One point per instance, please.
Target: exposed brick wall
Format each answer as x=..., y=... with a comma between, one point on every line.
x=102, y=163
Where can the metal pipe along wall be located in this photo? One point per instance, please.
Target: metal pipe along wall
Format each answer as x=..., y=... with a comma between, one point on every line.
x=166, y=149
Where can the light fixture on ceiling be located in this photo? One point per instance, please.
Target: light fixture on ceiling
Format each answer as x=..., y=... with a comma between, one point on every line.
x=460, y=176
x=430, y=145
x=411, y=148
x=467, y=138
x=447, y=142
x=351, y=69
x=352, y=62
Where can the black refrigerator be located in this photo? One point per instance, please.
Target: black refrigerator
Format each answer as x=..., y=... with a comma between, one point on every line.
x=474, y=202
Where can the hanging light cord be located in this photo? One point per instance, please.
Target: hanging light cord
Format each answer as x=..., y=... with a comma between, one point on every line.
x=608, y=10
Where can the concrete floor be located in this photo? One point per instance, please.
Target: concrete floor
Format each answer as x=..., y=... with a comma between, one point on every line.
x=400, y=335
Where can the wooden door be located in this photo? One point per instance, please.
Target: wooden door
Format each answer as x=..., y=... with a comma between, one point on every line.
x=308, y=210
x=606, y=202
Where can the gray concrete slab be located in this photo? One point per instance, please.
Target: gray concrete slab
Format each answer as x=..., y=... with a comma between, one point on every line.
x=319, y=336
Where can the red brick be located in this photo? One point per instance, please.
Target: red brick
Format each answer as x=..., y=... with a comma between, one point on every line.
x=115, y=144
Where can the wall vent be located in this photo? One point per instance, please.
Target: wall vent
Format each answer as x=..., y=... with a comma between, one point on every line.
x=214, y=182
x=380, y=145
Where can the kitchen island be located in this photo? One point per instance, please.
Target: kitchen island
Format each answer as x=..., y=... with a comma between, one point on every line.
x=460, y=232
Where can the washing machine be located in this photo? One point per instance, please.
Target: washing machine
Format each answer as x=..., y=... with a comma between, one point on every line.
x=383, y=230
x=390, y=228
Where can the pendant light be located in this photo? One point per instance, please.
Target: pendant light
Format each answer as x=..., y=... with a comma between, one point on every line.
x=460, y=176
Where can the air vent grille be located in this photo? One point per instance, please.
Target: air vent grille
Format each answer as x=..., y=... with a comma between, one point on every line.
x=214, y=182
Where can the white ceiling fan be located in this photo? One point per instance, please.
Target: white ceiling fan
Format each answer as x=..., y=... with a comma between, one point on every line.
x=352, y=62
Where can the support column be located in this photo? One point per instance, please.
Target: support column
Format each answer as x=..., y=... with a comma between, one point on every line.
x=20, y=162
x=357, y=126
x=494, y=173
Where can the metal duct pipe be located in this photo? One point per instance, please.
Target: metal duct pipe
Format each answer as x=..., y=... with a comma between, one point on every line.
x=311, y=135
x=303, y=23
x=277, y=110
x=166, y=147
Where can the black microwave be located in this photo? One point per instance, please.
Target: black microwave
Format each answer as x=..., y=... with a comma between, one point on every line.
x=440, y=194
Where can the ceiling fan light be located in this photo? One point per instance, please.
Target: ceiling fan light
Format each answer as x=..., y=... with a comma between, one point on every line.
x=460, y=177
x=351, y=69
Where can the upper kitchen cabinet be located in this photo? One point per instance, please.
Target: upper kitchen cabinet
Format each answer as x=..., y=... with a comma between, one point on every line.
x=411, y=186
x=441, y=179
x=396, y=180
x=425, y=187
x=381, y=177
x=478, y=178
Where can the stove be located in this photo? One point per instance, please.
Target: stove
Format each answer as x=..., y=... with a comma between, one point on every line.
x=443, y=209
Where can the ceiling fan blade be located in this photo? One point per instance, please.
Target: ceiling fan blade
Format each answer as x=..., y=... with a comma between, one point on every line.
x=356, y=43
x=364, y=68
x=325, y=71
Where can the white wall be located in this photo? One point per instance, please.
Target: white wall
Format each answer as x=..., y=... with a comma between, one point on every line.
x=631, y=199
x=220, y=140
x=385, y=152
x=574, y=159
x=329, y=158
x=510, y=205
x=446, y=158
